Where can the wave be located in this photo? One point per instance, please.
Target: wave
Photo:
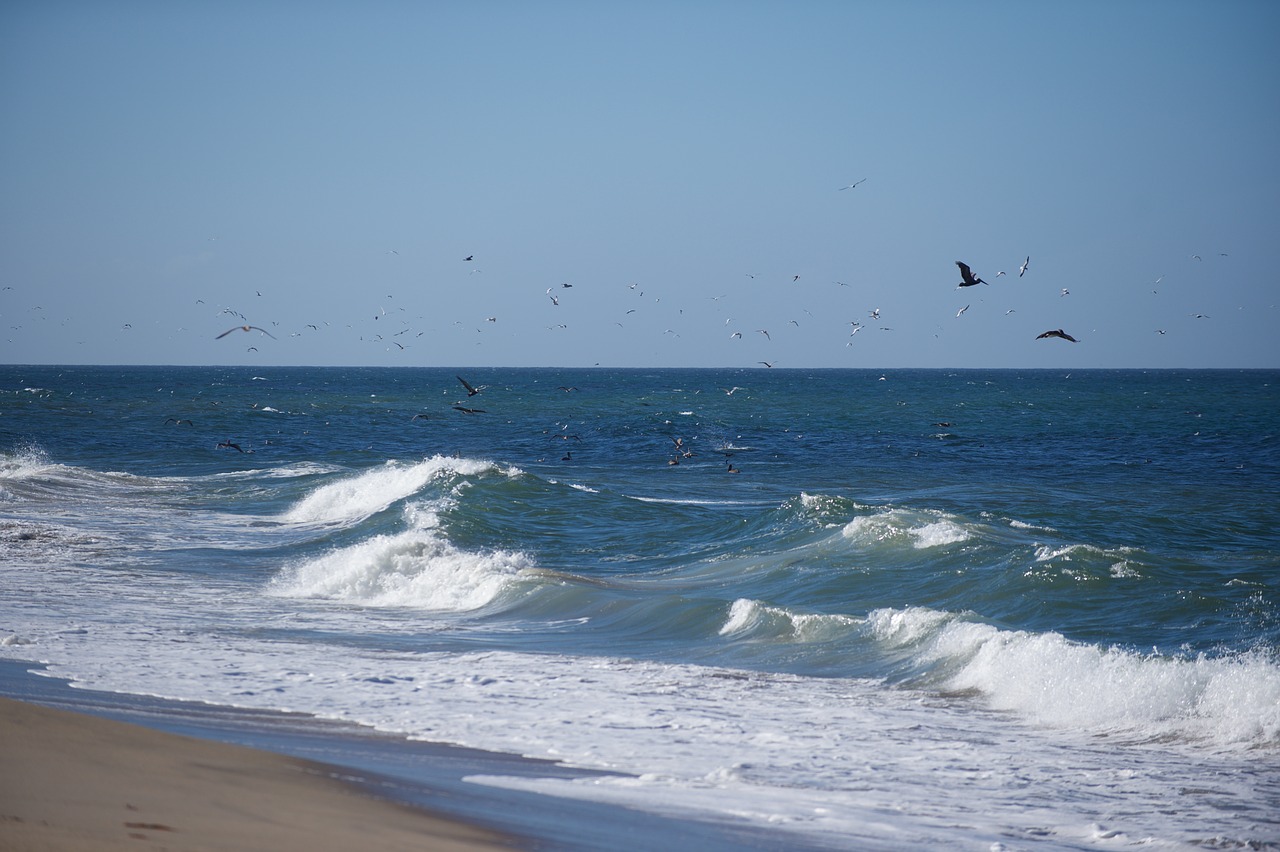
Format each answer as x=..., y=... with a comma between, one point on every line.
x=357, y=497
x=1227, y=701
x=924, y=529
x=416, y=568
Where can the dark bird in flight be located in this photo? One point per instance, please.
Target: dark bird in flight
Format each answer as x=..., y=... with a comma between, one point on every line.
x=852, y=185
x=470, y=390
x=466, y=410
x=245, y=328
x=1057, y=332
x=228, y=445
x=1022, y=270
x=468, y=258
x=967, y=276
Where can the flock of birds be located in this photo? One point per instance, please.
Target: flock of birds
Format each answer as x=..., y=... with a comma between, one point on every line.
x=967, y=279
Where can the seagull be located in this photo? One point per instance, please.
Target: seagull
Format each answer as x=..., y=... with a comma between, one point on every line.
x=245, y=328
x=469, y=258
x=1065, y=292
x=1022, y=270
x=874, y=314
x=766, y=363
x=1057, y=332
x=962, y=310
x=178, y=422
x=852, y=185
x=765, y=333
x=470, y=390
x=967, y=275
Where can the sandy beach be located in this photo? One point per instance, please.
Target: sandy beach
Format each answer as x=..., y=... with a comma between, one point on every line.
x=70, y=781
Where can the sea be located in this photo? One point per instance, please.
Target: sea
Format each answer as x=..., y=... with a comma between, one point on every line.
x=780, y=608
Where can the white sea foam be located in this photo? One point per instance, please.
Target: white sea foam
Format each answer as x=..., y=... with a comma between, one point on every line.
x=368, y=493
x=416, y=568
x=749, y=617
x=1224, y=701
x=923, y=529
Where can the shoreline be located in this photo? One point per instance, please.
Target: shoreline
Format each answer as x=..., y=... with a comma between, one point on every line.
x=374, y=770
x=83, y=782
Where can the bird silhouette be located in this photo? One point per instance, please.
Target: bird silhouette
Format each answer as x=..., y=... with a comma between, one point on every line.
x=967, y=276
x=1057, y=332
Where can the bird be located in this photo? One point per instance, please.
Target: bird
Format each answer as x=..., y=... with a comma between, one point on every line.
x=175, y=421
x=470, y=390
x=765, y=332
x=766, y=363
x=228, y=445
x=962, y=310
x=852, y=185
x=1022, y=270
x=874, y=314
x=469, y=258
x=1065, y=292
x=466, y=410
x=245, y=328
x=1057, y=332
x=967, y=276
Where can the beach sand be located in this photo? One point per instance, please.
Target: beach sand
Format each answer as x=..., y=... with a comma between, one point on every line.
x=70, y=781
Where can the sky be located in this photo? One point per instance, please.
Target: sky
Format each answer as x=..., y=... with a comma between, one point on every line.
x=656, y=184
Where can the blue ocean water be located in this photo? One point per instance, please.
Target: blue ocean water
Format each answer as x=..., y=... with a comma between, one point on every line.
x=1031, y=609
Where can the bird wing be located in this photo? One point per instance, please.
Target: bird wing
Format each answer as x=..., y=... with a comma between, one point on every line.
x=965, y=272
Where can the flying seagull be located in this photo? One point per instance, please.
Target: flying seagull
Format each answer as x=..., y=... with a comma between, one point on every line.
x=245, y=328
x=470, y=390
x=1022, y=270
x=852, y=185
x=962, y=310
x=968, y=276
x=1057, y=332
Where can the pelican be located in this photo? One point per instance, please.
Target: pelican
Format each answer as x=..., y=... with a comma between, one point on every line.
x=967, y=275
x=470, y=390
x=245, y=328
x=1057, y=332
x=466, y=410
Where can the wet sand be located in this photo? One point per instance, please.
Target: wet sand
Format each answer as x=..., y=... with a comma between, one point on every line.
x=71, y=781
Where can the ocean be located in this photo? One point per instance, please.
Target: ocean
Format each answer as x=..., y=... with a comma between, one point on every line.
x=847, y=609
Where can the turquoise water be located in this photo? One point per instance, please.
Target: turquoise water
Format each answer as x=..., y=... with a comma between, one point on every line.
x=866, y=607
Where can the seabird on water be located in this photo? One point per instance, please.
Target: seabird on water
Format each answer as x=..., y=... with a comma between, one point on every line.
x=1057, y=332
x=969, y=279
x=245, y=328
x=175, y=421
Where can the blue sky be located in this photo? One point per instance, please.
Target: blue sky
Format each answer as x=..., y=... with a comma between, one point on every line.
x=323, y=170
